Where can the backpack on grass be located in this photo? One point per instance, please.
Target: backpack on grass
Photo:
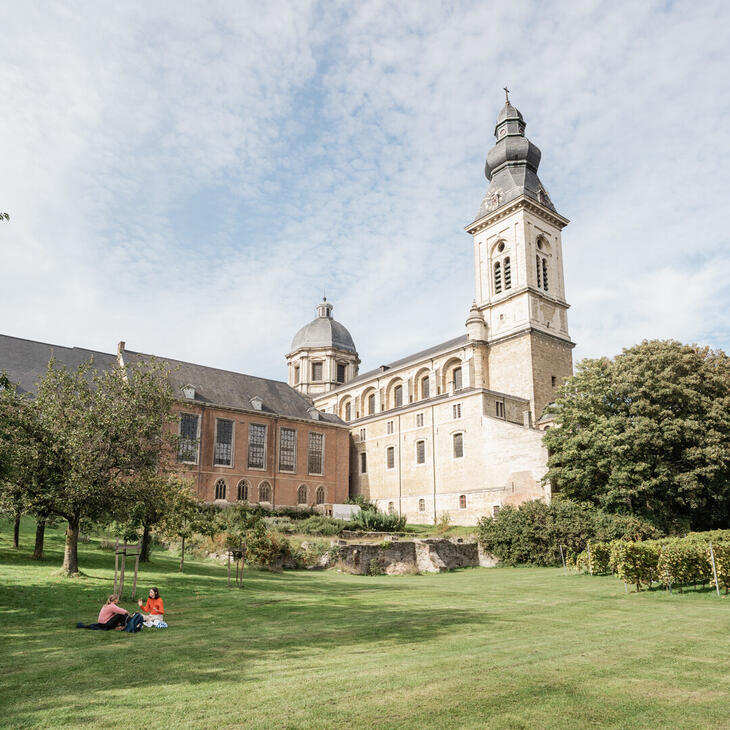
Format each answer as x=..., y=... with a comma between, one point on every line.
x=134, y=623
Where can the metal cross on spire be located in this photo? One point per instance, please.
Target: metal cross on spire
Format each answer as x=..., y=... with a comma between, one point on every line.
x=506, y=94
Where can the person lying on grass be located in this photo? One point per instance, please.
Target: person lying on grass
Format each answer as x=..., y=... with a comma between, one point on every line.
x=154, y=608
x=111, y=616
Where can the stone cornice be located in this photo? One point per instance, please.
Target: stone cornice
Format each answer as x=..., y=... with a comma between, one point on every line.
x=530, y=331
x=523, y=202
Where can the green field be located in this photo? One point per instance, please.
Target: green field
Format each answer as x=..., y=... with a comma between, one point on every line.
x=495, y=648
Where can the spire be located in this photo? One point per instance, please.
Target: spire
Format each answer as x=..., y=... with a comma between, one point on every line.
x=512, y=163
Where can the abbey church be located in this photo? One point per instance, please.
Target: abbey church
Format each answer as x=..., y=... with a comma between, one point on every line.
x=455, y=428
x=453, y=431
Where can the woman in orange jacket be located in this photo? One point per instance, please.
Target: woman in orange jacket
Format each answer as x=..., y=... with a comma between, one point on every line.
x=154, y=607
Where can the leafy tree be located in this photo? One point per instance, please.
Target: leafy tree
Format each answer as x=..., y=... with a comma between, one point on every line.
x=183, y=519
x=647, y=434
x=107, y=426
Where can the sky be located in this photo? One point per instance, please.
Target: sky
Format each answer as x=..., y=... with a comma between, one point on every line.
x=192, y=177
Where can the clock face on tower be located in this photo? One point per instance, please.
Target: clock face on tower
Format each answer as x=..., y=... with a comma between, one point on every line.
x=503, y=131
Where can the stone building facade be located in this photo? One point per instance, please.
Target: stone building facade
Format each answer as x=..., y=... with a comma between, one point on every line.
x=453, y=430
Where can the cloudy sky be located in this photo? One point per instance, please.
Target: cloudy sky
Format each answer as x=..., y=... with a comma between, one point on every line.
x=190, y=177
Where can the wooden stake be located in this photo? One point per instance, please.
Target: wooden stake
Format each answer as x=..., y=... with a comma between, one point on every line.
x=714, y=570
x=229, y=568
x=136, y=569
x=562, y=557
x=121, y=575
x=590, y=566
x=116, y=565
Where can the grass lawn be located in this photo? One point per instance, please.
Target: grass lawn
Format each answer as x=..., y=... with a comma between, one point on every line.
x=495, y=648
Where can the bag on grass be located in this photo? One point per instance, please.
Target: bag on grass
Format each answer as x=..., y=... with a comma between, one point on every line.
x=134, y=623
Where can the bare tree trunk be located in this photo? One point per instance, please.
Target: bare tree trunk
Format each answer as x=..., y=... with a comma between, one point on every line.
x=182, y=555
x=144, y=551
x=71, y=549
x=16, y=530
x=40, y=533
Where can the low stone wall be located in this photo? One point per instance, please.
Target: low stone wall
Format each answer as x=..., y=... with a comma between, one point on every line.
x=431, y=555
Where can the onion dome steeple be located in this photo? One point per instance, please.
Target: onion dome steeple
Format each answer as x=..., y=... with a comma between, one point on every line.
x=512, y=164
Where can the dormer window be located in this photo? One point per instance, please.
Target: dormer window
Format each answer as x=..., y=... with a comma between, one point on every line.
x=189, y=392
x=256, y=403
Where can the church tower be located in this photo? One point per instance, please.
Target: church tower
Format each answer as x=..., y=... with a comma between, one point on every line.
x=519, y=285
x=322, y=354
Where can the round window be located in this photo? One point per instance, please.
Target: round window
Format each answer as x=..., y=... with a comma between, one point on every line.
x=500, y=248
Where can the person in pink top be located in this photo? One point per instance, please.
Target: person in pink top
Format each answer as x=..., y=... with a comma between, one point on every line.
x=111, y=616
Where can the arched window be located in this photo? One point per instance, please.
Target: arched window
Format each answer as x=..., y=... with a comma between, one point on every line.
x=420, y=452
x=348, y=410
x=421, y=505
x=302, y=494
x=264, y=492
x=458, y=445
x=539, y=272
x=398, y=396
x=391, y=508
x=390, y=457
x=497, y=278
x=319, y=495
x=220, y=489
x=544, y=275
x=507, y=274
x=425, y=387
x=456, y=376
x=371, y=404
x=242, y=491
x=462, y=501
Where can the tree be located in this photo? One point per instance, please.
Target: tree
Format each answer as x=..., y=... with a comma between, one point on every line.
x=182, y=519
x=648, y=434
x=106, y=427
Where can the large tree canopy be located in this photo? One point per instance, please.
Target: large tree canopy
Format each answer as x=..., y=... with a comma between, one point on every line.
x=647, y=433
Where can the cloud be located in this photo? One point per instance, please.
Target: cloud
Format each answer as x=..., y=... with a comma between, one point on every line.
x=191, y=178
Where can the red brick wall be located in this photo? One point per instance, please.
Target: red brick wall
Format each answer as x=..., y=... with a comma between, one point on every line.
x=284, y=484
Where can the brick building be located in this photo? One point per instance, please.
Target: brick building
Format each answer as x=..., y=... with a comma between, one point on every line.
x=241, y=437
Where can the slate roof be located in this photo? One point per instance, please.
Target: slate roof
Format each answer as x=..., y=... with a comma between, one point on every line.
x=511, y=166
x=422, y=355
x=25, y=362
x=323, y=332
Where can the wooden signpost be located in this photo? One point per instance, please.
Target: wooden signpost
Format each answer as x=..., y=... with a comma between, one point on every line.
x=125, y=550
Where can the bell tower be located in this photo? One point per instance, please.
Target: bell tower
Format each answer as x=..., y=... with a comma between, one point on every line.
x=518, y=258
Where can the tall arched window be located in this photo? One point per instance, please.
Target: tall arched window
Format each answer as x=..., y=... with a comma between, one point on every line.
x=242, y=491
x=425, y=387
x=348, y=410
x=421, y=505
x=539, y=272
x=302, y=494
x=507, y=274
x=544, y=275
x=497, y=278
x=371, y=404
x=458, y=445
x=220, y=489
x=319, y=495
x=398, y=396
x=462, y=501
x=264, y=492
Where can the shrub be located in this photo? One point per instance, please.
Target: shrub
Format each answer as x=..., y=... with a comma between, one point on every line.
x=533, y=532
x=635, y=562
x=682, y=562
x=362, y=503
x=374, y=521
x=721, y=551
x=319, y=526
x=374, y=567
x=279, y=524
x=265, y=549
x=598, y=558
